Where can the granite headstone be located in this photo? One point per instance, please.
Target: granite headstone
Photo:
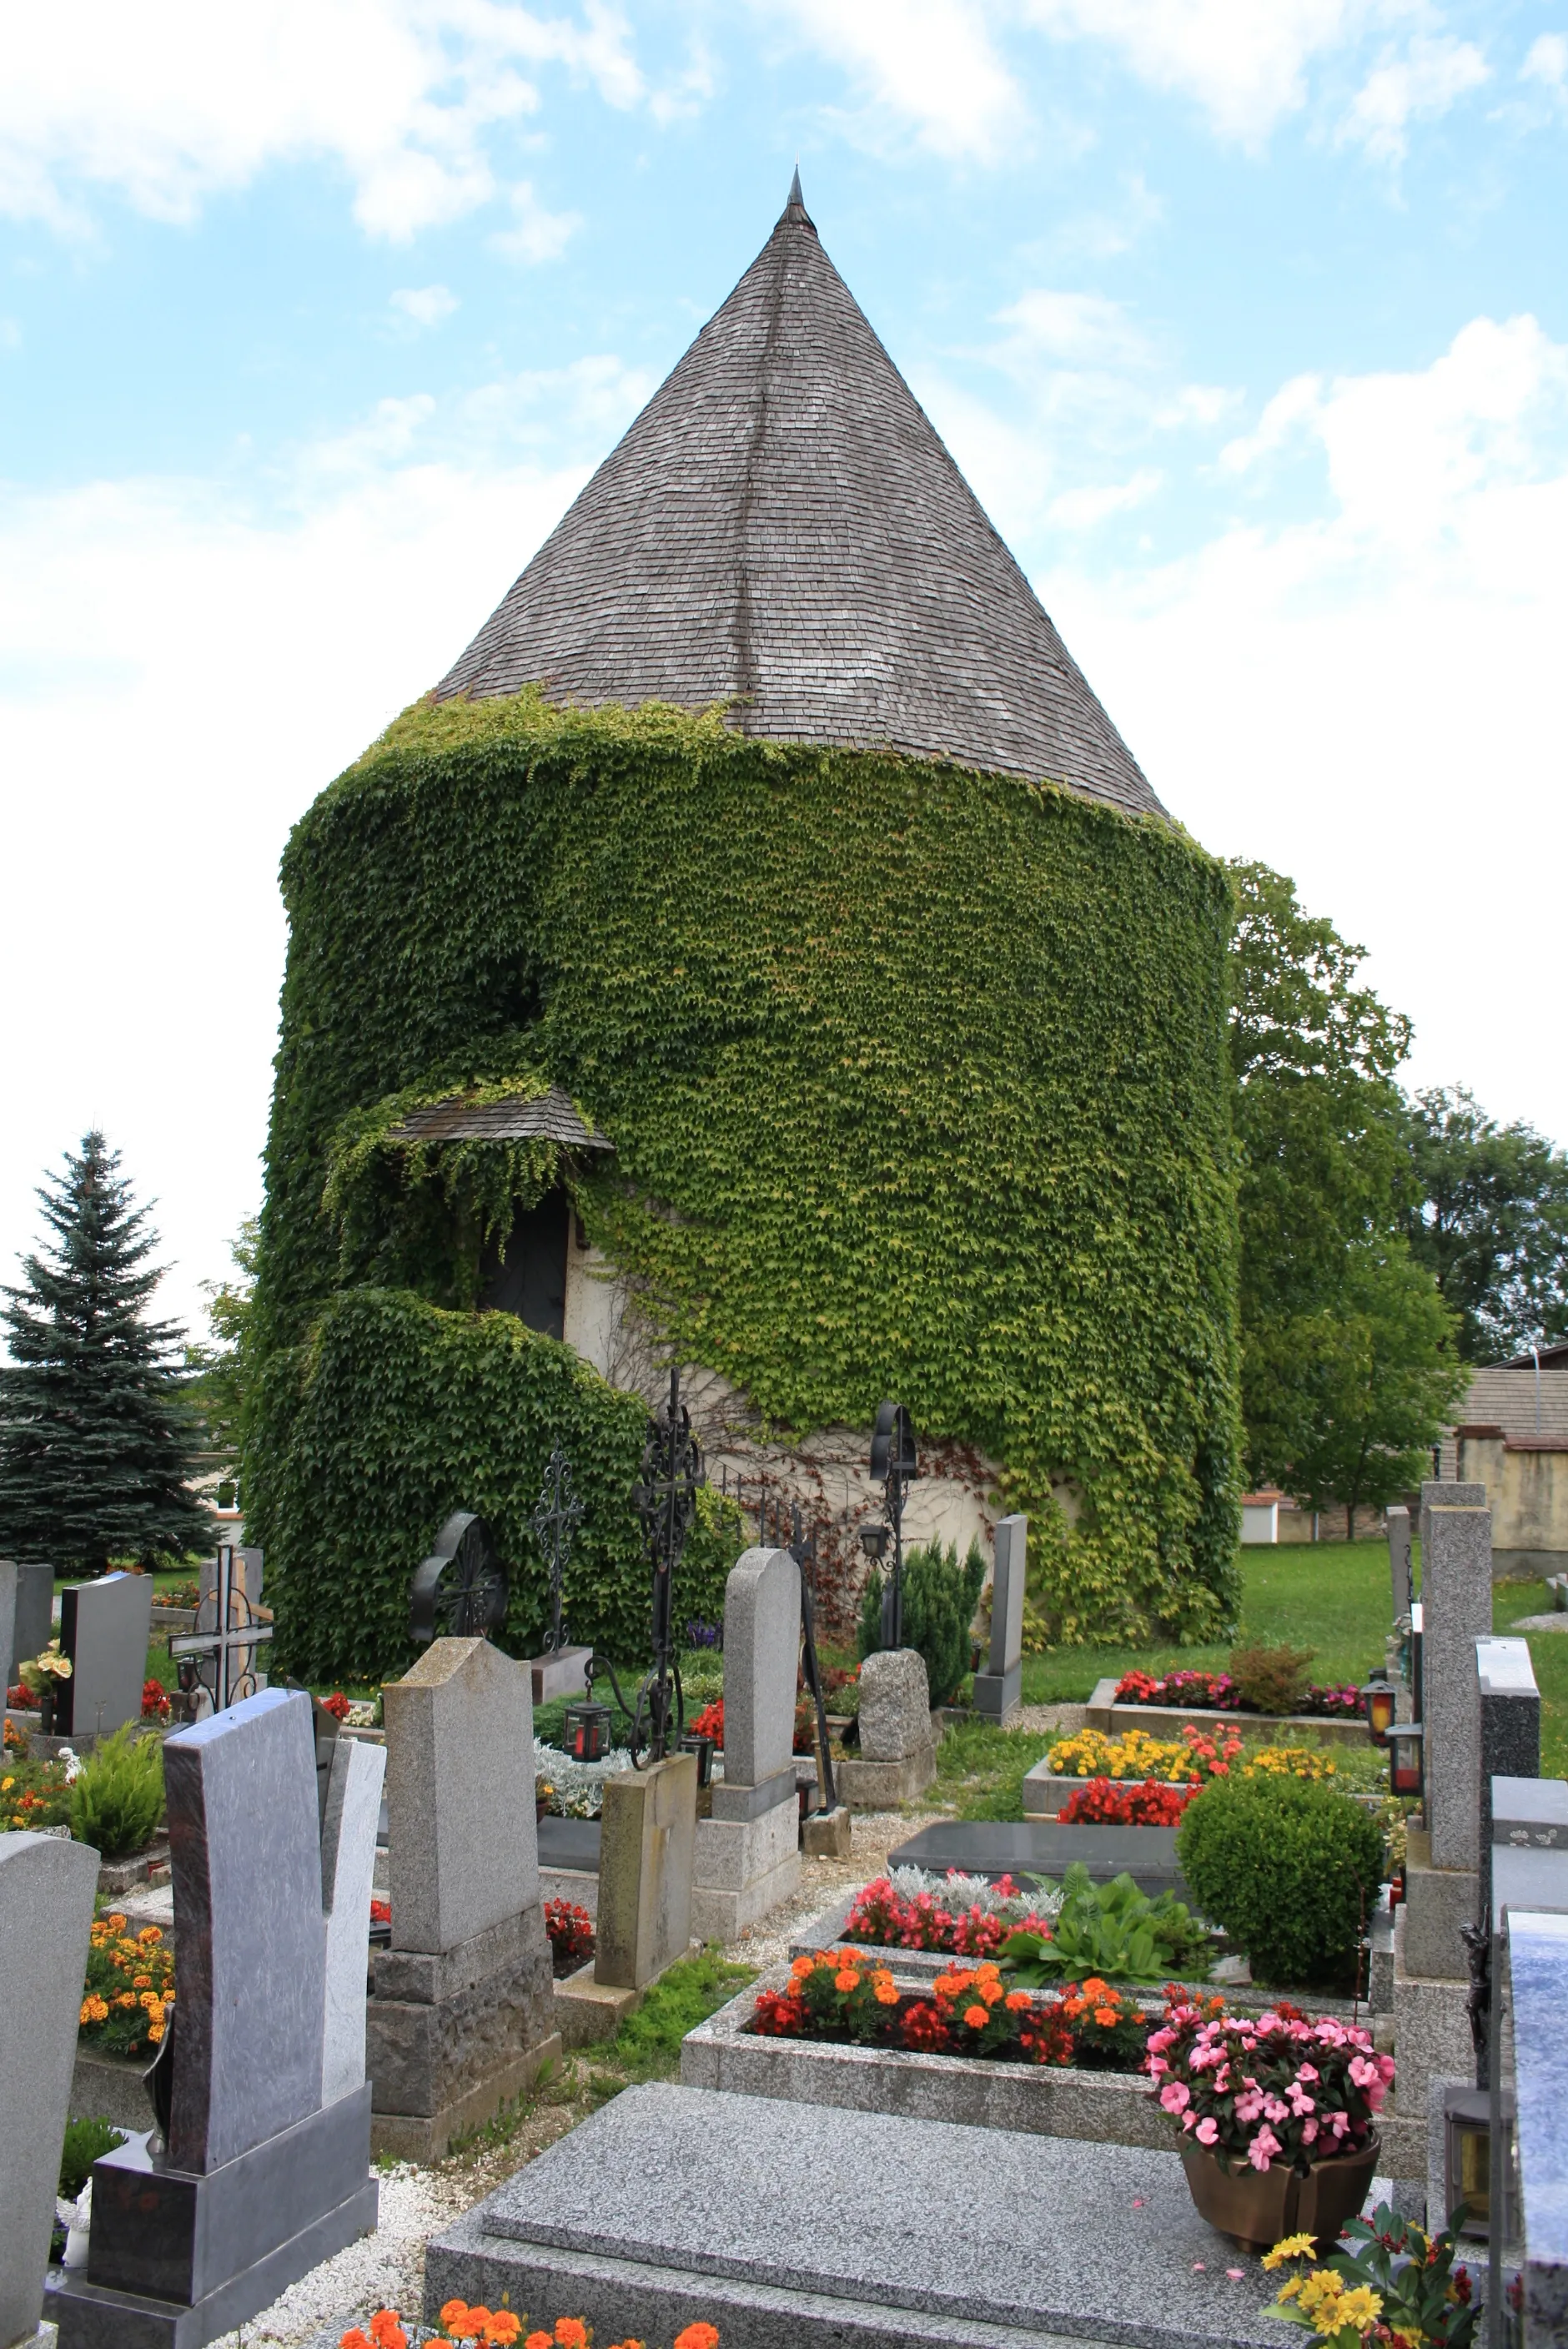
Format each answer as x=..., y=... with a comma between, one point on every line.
x=1456, y=1605
x=996, y=1690
x=747, y=1854
x=105, y=1627
x=647, y=1855
x=355, y=1776
x=27, y=1610
x=1509, y=1732
x=46, y=1886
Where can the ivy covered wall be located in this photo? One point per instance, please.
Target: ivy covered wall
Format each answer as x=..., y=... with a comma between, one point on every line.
x=917, y=1083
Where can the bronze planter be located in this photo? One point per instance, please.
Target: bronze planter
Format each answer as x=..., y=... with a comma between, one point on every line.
x=1258, y=2207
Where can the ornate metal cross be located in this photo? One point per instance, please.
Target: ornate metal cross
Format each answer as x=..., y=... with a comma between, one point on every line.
x=555, y=1521
x=227, y=1645
x=665, y=1497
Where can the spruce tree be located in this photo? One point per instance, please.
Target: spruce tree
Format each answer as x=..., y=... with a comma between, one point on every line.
x=95, y=1440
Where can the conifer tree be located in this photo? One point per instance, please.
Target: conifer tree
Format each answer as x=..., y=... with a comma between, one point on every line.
x=94, y=1436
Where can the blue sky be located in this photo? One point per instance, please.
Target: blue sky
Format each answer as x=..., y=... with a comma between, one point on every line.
x=1247, y=318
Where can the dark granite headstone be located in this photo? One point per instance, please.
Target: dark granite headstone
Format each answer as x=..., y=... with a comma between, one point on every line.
x=1510, y=1732
x=999, y=1847
x=27, y=1610
x=105, y=1627
x=569, y=1843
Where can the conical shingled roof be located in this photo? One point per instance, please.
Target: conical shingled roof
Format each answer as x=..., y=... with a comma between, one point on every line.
x=781, y=525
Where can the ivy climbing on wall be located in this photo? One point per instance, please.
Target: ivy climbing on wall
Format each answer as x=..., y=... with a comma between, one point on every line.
x=917, y=1083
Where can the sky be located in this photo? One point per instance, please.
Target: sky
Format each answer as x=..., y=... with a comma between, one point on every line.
x=1246, y=319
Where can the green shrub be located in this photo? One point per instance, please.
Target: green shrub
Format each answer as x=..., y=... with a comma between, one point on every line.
x=1289, y=1867
x=84, y=2142
x=940, y=1597
x=117, y=1798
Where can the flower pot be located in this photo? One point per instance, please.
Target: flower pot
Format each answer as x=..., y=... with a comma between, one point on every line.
x=45, y=1711
x=1257, y=2207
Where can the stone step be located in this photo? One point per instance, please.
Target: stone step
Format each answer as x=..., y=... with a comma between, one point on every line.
x=675, y=2204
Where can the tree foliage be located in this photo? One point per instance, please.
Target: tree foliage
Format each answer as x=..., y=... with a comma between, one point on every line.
x=917, y=1084
x=1489, y=1222
x=1348, y=1365
x=218, y=1367
x=95, y=1437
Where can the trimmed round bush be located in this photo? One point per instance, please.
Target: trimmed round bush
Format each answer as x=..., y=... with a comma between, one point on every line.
x=1288, y=1868
x=940, y=1595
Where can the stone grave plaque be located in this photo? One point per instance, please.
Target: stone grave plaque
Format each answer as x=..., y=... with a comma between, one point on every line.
x=27, y=1610
x=996, y=1690
x=994, y=1847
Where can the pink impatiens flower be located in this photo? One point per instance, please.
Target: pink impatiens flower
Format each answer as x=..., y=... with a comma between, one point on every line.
x=1262, y=2148
x=1175, y=2097
x=1207, y=2131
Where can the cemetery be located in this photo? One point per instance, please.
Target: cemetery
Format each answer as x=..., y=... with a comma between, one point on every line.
x=687, y=1894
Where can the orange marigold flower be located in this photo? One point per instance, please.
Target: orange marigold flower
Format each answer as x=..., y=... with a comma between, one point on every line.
x=539, y=2341
x=155, y=2032
x=386, y=2332
x=977, y=2017
x=1094, y=1988
x=115, y=1923
x=570, y=2332
x=847, y=1981
x=354, y=2339
x=478, y=2319
x=148, y=1934
x=1106, y=2016
x=886, y=1992
x=503, y=2329
x=452, y=2315
x=1017, y=2000
x=802, y=1967
x=990, y=1992
x=697, y=2337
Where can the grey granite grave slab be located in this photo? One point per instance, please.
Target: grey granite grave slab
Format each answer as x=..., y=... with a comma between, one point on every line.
x=1456, y=1607
x=994, y=1848
x=347, y=1871
x=571, y=1844
x=1538, y=1978
x=459, y=1793
x=996, y=1689
x=250, y=1959
x=46, y=1886
x=105, y=1627
x=883, y=2227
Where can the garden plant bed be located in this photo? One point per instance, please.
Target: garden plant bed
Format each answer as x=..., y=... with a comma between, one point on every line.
x=1169, y=1720
x=1032, y=2099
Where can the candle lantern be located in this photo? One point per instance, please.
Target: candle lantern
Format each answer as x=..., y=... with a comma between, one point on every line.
x=587, y=1731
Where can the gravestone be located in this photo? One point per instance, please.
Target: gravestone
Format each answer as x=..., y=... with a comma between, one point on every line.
x=1456, y=1610
x=460, y=2019
x=105, y=1627
x=46, y=1886
x=26, y=1611
x=255, y=2180
x=647, y=1843
x=998, y=1848
x=1401, y=1573
x=1510, y=1734
x=996, y=1690
x=353, y=1810
x=746, y=1856
x=897, y=1748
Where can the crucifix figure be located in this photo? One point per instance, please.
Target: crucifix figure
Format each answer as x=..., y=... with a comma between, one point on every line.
x=227, y=1646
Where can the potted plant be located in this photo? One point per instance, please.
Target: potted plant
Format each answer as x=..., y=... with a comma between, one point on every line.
x=1276, y=2117
x=1397, y=2283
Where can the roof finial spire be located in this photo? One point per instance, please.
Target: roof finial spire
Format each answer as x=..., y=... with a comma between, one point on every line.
x=795, y=205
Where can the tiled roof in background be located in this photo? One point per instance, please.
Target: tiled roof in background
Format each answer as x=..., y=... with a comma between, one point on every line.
x=782, y=524
x=515, y=1119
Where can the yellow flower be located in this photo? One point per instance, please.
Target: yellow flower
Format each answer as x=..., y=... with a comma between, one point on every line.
x=7, y=1784
x=1290, y=2247
x=1361, y=2308
x=93, y=2010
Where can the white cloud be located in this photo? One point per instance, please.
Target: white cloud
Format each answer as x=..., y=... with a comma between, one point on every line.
x=1370, y=698
x=1078, y=510
x=1078, y=329
x=931, y=65
x=1431, y=76
x=535, y=234
x=169, y=102
x=1547, y=61
x=425, y=305
x=1243, y=60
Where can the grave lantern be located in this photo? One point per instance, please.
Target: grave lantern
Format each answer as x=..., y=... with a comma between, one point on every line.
x=587, y=1731
x=1378, y=1704
x=1404, y=1741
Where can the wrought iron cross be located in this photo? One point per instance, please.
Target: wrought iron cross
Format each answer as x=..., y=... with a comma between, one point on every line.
x=895, y=1463
x=222, y=1646
x=665, y=1497
x=555, y=1522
